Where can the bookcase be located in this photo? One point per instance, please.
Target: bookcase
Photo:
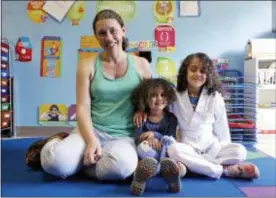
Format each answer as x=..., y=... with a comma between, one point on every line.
x=7, y=106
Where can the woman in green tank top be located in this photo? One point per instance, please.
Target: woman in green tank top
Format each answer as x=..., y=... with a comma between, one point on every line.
x=102, y=144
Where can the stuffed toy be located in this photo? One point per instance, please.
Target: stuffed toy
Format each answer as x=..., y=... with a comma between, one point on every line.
x=145, y=150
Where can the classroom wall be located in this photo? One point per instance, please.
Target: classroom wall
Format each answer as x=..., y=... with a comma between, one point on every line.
x=221, y=31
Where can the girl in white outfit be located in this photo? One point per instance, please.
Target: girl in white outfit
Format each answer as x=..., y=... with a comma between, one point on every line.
x=205, y=146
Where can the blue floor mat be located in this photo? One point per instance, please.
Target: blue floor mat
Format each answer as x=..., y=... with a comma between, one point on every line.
x=19, y=180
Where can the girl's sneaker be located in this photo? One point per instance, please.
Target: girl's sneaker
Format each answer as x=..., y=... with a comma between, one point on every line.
x=147, y=168
x=171, y=172
x=242, y=170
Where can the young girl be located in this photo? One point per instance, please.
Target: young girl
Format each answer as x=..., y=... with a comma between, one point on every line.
x=154, y=135
x=205, y=146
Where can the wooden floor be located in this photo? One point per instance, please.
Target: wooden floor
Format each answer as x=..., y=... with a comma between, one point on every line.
x=40, y=131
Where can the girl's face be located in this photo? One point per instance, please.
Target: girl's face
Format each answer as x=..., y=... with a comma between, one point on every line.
x=109, y=34
x=196, y=75
x=54, y=111
x=156, y=100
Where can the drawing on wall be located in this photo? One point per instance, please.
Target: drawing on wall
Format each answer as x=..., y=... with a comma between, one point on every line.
x=23, y=49
x=35, y=12
x=164, y=35
x=165, y=68
x=72, y=118
x=57, y=9
x=50, y=58
x=76, y=12
x=127, y=9
x=89, y=47
x=53, y=115
x=163, y=11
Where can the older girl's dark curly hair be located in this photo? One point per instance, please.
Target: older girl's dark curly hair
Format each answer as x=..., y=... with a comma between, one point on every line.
x=142, y=92
x=212, y=83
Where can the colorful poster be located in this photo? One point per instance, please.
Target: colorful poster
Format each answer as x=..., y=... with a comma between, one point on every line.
x=165, y=68
x=53, y=115
x=164, y=35
x=143, y=45
x=89, y=47
x=76, y=12
x=23, y=49
x=163, y=11
x=127, y=9
x=50, y=60
x=72, y=117
x=35, y=12
x=57, y=9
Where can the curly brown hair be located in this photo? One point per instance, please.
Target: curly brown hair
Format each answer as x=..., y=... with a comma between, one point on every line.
x=141, y=93
x=212, y=83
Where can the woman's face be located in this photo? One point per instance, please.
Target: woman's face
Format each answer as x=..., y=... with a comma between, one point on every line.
x=196, y=75
x=109, y=34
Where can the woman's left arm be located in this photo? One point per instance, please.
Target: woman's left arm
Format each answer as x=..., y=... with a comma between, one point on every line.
x=221, y=126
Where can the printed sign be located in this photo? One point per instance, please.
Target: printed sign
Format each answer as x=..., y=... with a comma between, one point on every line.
x=163, y=11
x=72, y=117
x=76, y=12
x=23, y=49
x=53, y=115
x=165, y=68
x=50, y=59
x=35, y=11
x=164, y=35
x=127, y=9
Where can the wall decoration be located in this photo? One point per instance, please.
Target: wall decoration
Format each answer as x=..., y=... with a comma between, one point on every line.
x=89, y=47
x=72, y=118
x=143, y=45
x=50, y=58
x=23, y=49
x=220, y=64
x=165, y=68
x=127, y=9
x=53, y=115
x=163, y=11
x=76, y=12
x=188, y=8
x=164, y=35
x=57, y=9
x=35, y=12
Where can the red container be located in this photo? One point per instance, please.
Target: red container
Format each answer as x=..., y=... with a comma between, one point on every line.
x=241, y=124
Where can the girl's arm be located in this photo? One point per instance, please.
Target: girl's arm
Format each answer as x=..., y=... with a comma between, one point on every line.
x=221, y=127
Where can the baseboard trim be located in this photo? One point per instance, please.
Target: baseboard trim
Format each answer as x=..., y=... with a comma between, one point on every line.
x=39, y=131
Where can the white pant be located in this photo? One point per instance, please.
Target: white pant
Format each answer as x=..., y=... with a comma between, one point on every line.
x=231, y=153
x=64, y=158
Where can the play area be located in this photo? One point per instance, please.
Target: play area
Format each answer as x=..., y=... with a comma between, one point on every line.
x=19, y=180
x=215, y=63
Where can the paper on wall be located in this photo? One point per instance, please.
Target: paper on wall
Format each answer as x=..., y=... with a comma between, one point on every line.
x=57, y=9
x=189, y=8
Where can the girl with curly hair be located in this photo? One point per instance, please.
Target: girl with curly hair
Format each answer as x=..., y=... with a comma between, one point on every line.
x=155, y=135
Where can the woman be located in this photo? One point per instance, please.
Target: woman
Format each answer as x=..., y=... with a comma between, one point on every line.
x=103, y=143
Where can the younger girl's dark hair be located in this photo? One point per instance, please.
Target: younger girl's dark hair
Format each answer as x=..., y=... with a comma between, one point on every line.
x=212, y=83
x=110, y=14
x=142, y=92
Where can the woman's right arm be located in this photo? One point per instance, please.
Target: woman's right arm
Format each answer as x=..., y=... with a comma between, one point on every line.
x=83, y=107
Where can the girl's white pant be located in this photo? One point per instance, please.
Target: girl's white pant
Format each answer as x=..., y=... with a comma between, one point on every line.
x=230, y=153
x=64, y=158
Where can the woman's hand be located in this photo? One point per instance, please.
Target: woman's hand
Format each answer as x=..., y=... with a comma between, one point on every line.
x=92, y=154
x=139, y=117
x=146, y=135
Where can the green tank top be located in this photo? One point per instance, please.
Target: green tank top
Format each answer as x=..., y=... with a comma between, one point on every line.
x=111, y=107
